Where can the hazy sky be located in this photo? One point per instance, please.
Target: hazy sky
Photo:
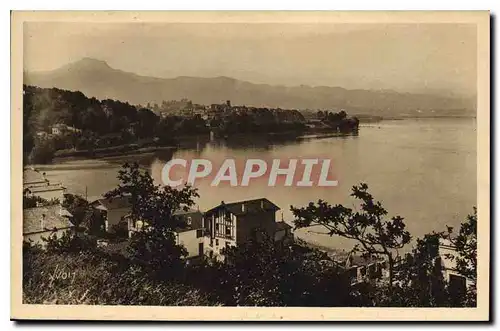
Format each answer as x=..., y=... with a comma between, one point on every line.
x=409, y=57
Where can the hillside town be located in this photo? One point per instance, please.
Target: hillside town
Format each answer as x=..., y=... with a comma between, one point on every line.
x=61, y=123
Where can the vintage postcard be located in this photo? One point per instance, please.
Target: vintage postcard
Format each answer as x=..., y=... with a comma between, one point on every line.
x=313, y=166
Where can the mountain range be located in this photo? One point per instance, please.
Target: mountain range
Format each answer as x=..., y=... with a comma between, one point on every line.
x=95, y=78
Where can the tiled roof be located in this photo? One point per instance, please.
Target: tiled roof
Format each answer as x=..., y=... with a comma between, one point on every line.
x=31, y=175
x=282, y=226
x=181, y=211
x=120, y=202
x=247, y=207
x=54, y=217
x=44, y=188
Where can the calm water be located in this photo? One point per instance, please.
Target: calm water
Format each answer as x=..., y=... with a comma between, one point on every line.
x=423, y=170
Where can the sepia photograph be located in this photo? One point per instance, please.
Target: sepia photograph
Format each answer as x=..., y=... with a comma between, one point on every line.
x=297, y=165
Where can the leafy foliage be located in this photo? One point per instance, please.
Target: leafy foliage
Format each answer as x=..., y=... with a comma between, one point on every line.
x=154, y=206
x=419, y=276
x=254, y=120
x=375, y=235
x=257, y=272
x=69, y=242
x=98, y=125
x=97, y=279
x=465, y=244
x=31, y=201
x=42, y=152
x=78, y=207
x=262, y=272
x=465, y=257
x=152, y=203
x=338, y=121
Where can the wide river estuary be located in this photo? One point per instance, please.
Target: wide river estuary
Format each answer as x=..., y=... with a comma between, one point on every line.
x=423, y=170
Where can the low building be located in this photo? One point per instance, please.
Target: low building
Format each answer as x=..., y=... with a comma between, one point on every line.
x=113, y=212
x=42, y=222
x=190, y=234
x=60, y=129
x=283, y=232
x=35, y=183
x=231, y=224
x=204, y=234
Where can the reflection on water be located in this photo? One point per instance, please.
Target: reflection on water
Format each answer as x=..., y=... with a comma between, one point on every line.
x=422, y=170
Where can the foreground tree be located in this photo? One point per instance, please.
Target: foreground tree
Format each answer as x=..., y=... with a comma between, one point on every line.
x=263, y=272
x=465, y=244
x=153, y=206
x=465, y=258
x=419, y=277
x=78, y=207
x=375, y=236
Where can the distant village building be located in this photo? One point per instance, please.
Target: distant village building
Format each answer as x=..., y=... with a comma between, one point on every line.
x=42, y=135
x=36, y=184
x=60, y=129
x=43, y=222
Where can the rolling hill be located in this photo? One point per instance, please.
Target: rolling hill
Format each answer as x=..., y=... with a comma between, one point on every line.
x=96, y=78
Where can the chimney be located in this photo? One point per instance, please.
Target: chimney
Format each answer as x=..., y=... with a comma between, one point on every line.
x=42, y=222
x=262, y=204
x=242, y=207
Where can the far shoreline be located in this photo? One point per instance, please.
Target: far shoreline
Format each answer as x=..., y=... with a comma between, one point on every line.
x=63, y=162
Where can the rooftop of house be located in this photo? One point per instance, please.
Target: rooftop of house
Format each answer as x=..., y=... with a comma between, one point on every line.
x=123, y=202
x=247, y=206
x=282, y=226
x=120, y=202
x=53, y=216
x=44, y=188
x=183, y=211
x=31, y=175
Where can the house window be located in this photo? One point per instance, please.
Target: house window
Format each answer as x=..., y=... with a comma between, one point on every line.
x=199, y=233
x=189, y=221
x=228, y=231
x=216, y=242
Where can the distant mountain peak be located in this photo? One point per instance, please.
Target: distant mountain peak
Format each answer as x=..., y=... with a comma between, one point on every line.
x=90, y=63
x=94, y=77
